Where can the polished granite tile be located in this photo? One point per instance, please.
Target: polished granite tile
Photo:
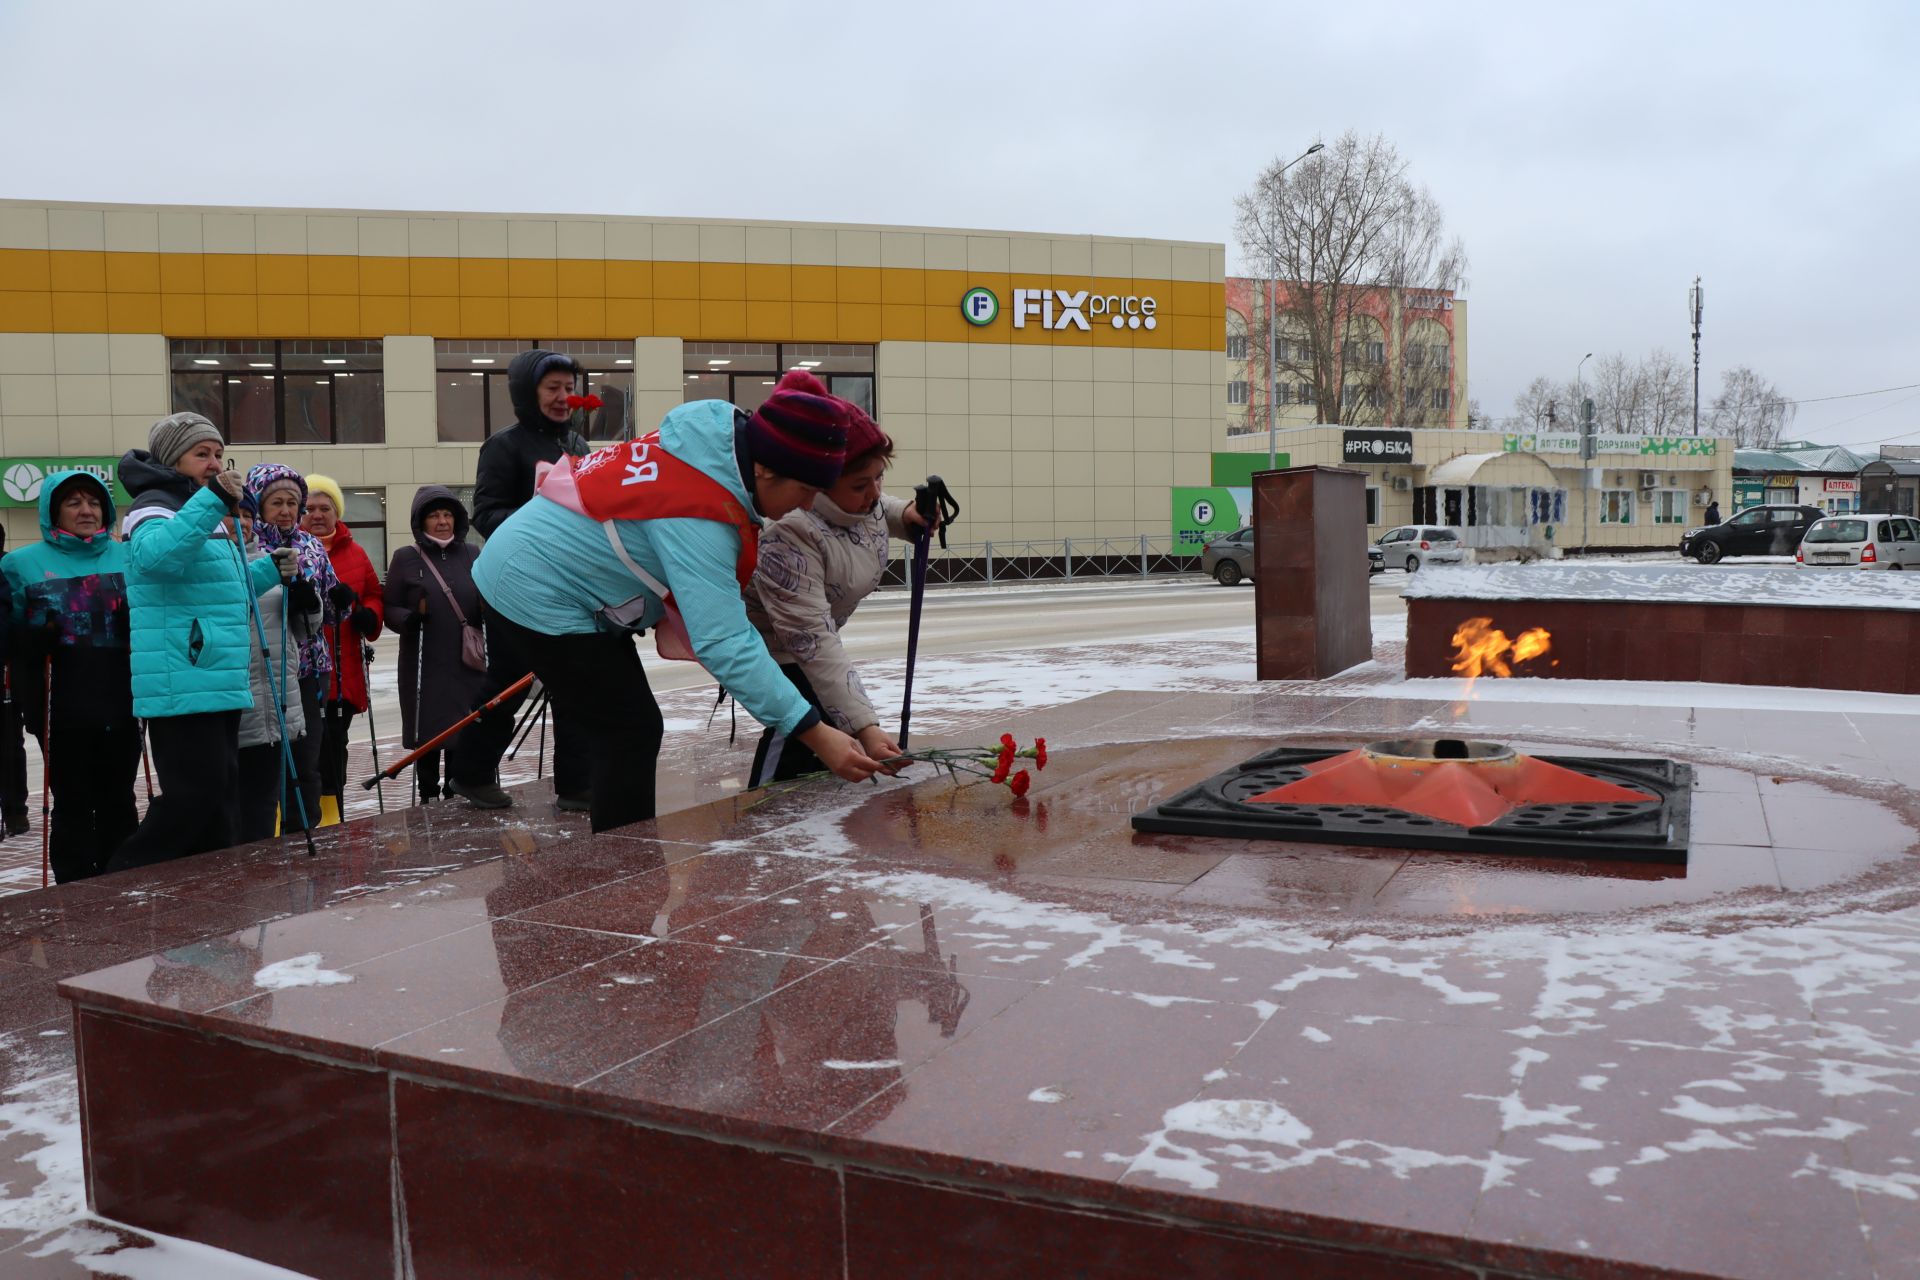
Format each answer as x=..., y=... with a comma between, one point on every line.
x=493, y=1187
x=678, y=895
x=266, y=1154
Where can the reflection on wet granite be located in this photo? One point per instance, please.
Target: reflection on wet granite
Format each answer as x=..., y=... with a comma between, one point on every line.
x=835, y=1000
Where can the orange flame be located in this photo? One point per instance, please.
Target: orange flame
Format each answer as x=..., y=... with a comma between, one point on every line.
x=1479, y=648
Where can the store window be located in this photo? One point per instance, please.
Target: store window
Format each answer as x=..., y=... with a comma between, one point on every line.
x=472, y=402
x=366, y=515
x=745, y=373
x=1616, y=506
x=1373, y=506
x=1670, y=506
x=307, y=391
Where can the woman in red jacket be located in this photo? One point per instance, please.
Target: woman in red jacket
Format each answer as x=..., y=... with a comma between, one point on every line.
x=358, y=615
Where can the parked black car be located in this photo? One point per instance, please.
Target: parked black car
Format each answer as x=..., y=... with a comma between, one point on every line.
x=1757, y=531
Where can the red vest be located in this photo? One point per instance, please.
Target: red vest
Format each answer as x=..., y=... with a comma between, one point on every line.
x=640, y=480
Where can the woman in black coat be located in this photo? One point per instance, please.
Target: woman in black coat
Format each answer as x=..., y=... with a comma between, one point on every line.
x=437, y=688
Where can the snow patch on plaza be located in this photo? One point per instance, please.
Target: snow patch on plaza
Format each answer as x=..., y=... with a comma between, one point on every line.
x=298, y=971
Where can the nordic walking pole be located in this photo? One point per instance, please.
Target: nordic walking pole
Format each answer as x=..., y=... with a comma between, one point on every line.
x=507, y=694
x=46, y=775
x=145, y=762
x=280, y=695
x=286, y=746
x=373, y=734
x=934, y=503
x=536, y=710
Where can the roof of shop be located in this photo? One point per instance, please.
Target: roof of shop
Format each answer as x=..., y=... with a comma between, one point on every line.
x=1828, y=459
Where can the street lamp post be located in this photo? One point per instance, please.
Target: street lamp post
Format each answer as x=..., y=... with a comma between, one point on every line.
x=1586, y=457
x=1695, y=304
x=1273, y=272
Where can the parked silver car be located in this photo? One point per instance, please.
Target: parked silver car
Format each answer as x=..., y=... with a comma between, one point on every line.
x=1415, y=546
x=1863, y=540
x=1229, y=557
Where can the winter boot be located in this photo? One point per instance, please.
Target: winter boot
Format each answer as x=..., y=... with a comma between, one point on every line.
x=481, y=795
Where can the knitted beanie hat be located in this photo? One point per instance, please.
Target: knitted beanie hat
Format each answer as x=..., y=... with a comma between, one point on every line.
x=169, y=439
x=800, y=432
x=263, y=478
x=864, y=435
x=318, y=484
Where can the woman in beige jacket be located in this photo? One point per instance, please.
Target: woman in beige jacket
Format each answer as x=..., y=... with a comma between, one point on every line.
x=815, y=568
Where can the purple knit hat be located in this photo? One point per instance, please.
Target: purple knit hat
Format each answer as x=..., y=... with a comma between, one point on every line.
x=800, y=432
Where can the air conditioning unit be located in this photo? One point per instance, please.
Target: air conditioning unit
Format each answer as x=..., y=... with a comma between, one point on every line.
x=1648, y=480
x=1646, y=495
x=1673, y=482
x=1699, y=497
x=1401, y=484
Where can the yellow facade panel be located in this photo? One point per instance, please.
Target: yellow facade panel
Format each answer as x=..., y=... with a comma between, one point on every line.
x=183, y=315
x=722, y=320
x=903, y=286
x=859, y=321
x=480, y=278
x=629, y=279
x=231, y=273
x=282, y=273
x=383, y=277
x=332, y=274
x=1190, y=298
x=134, y=313
x=539, y=316
x=233, y=314
x=944, y=323
x=26, y=311
x=857, y=284
x=380, y=316
x=133, y=272
x=283, y=315
x=580, y=278
x=433, y=277
x=676, y=316
x=677, y=280
x=769, y=282
x=814, y=284
x=581, y=318
x=903, y=322
x=629, y=317
x=480, y=317
x=336, y=314
x=24, y=269
x=723, y=281
x=183, y=273
x=78, y=270
x=814, y=321
x=769, y=321
x=533, y=278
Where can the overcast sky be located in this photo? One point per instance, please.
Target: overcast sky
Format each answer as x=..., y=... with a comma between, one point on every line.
x=1594, y=159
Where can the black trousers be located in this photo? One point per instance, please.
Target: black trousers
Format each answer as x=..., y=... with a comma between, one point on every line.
x=13, y=764
x=426, y=776
x=91, y=771
x=197, y=810
x=260, y=793
x=600, y=689
x=779, y=758
x=336, y=727
x=473, y=757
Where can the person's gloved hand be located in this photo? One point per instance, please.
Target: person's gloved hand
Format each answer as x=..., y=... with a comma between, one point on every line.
x=365, y=621
x=286, y=560
x=300, y=591
x=420, y=605
x=227, y=486
x=342, y=597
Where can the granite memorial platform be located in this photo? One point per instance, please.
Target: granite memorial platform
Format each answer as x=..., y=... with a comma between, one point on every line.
x=911, y=1029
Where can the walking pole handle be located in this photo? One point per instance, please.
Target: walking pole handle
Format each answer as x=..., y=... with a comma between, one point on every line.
x=934, y=499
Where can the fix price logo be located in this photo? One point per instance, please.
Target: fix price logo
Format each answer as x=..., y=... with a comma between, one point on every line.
x=1058, y=309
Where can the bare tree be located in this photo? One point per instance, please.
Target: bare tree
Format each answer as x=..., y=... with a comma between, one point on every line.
x=1750, y=409
x=1346, y=232
x=1649, y=396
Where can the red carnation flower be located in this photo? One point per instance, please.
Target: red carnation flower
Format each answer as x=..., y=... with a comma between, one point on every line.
x=584, y=402
x=1019, y=783
x=1000, y=770
x=1039, y=753
x=1005, y=761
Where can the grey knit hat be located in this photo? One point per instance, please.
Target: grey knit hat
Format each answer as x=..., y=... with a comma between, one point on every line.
x=173, y=435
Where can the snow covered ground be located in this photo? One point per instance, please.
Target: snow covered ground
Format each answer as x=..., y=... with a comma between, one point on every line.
x=1670, y=581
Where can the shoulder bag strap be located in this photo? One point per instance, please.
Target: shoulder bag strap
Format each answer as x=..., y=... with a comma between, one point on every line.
x=435, y=571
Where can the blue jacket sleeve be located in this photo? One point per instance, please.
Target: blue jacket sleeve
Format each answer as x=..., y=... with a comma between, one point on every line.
x=16, y=588
x=697, y=559
x=264, y=574
x=155, y=550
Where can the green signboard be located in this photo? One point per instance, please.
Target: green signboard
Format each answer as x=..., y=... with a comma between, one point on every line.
x=21, y=478
x=1201, y=514
x=1235, y=470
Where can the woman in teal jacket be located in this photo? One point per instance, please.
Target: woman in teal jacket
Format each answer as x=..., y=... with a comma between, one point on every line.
x=656, y=533
x=70, y=636
x=192, y=596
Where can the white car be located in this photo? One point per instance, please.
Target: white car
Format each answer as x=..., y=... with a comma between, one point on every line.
x=1415, y=546
x=1862, y=540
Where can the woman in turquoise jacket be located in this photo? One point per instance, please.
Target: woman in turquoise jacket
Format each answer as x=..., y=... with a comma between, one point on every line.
x=192, y=596
x=70, y=678
x=656, y=533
